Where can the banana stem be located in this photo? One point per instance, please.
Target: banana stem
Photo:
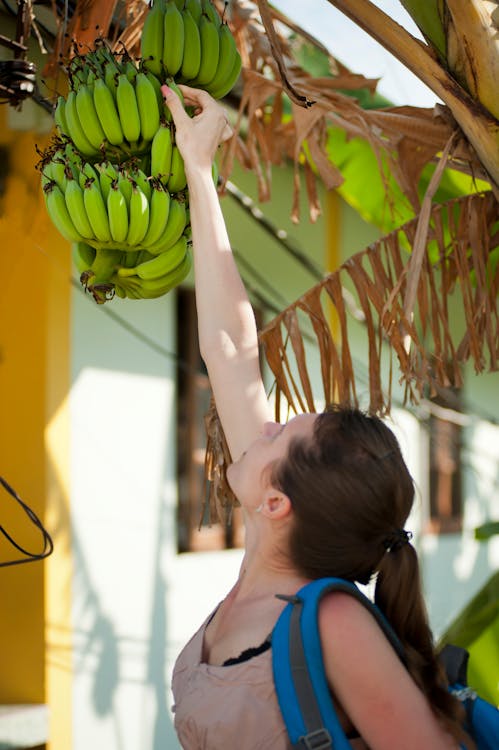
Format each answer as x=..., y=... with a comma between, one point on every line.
x=477, y=50
x=103, y=267
x=479, y=126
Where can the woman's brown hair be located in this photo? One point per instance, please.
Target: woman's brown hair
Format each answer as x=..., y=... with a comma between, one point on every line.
x=351, y=494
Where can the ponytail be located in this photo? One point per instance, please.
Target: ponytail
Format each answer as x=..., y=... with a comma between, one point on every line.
x=351, y=494
x=398, y=594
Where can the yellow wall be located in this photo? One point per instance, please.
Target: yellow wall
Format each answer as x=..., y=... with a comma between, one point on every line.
x=34, y=444
x=333, y=246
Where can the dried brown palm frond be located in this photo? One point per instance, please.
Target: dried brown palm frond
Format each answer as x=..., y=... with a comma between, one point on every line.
x=461, y=237
x=404, y=139
x=459, y=62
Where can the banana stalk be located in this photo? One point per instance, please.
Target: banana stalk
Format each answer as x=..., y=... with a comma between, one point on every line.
x=473, y=50
x=470, y=47
x=466, y=39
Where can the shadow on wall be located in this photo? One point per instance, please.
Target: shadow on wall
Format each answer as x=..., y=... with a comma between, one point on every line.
x=108, y=660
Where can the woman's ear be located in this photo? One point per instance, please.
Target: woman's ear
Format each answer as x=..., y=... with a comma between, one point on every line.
x=276, y=505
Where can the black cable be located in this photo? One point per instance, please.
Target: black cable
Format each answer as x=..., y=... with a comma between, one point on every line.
x=48, y=545
x=280, y=235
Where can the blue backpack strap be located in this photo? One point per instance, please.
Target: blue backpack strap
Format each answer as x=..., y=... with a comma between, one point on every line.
x=299, y=675
x=482, y=718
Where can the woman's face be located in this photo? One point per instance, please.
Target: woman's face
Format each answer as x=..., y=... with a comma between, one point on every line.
x=249, y=475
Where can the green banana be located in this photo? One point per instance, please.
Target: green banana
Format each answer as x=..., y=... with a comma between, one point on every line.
x=100, y=272
x=230, y=81
x=226, y=58
x=56, y=170
x=210, y=50
x=129, y=286
x=75, y=129
x=151, y=288
x=128, y=109
x=76, y=209
x=178, y=179
x=83, y=256
x=161, y=153
x=87, y=115
x=163, y=263
x=111, y=73
x=195, y=9
x=60, y=116
x=138, y=221
x=131, y=71
x=147, y=103
x=159, y=206
x=87, y=172
x=46, y=179
x=132, y=256
x=151, y=44
x=174, y=227
x=173, y=39
x=215, y=173
x=210, y=10
x=156, y=84
x=58, y=212
x=107, y=175
x=125, y=186
x=191, y=59
x=174, y=86
x=73, y=159
x=117, y=212
x=96, y=209
x=107, y=112
x=138, y=176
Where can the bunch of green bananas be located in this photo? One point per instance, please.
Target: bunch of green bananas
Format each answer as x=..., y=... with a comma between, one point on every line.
x=140, y=275
x=119, y=220
x=188, y=41
x=112, y=106
x=113, y=178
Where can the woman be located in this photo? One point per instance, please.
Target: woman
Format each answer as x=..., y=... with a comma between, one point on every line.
x=323, y=495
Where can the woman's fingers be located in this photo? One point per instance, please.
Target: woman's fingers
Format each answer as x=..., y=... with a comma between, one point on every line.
x=200, y=135
x=194, y=96
x=174, y=105
x=227, y=132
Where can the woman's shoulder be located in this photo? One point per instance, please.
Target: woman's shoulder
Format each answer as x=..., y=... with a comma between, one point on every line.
x=370, y=682
x=351, y=636
x=343, y=616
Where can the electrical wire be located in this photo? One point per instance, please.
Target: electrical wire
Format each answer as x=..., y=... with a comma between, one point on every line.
x=48, y=545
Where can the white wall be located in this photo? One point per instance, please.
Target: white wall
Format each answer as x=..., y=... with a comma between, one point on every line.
x=135, y=601
x=123, y=497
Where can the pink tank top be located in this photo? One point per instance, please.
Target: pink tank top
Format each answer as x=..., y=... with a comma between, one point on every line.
x=217, y=708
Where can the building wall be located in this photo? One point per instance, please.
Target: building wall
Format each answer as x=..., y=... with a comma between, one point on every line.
x=88, y=439
x=35, y=630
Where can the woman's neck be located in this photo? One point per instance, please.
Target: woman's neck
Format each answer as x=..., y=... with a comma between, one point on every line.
x=265, y=571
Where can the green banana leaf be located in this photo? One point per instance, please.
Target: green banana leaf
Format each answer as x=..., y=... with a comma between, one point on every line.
x=363, y=188
x=476, y=628
x=487, y=530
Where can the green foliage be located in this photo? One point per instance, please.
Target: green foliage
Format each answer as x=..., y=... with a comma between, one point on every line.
x=428, y=17
x=476, y=628
x=487, y=530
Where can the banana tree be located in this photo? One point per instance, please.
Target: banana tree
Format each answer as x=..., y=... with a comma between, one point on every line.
x=459, y=62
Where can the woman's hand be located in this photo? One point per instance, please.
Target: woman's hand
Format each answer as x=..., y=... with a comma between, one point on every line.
x=197, y=137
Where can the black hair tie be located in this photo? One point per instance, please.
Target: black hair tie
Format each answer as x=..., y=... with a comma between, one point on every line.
x=397, y=539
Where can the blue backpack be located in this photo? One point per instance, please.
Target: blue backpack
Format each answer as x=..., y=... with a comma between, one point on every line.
x=301, y=684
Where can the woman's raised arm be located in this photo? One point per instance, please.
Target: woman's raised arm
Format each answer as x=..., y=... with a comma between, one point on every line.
x=226, y=323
